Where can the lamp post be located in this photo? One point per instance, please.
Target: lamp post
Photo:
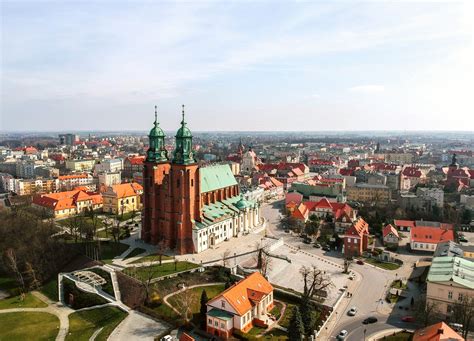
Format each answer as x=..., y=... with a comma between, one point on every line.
x=365, y=331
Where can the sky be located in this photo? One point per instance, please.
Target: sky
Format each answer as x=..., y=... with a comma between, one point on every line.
x=237, y=65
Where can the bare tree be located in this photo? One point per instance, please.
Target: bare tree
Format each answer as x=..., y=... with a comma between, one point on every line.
x=347, y=263
x=184, y=303
x=427, y=312
x=315, y=281
x=148, y=274
x=12, y=262
x=30, y=273
x=463, y=313
x=161, y=249
x=225, y=258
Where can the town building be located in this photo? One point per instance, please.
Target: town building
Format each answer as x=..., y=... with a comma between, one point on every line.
x=448, y=249
x=242, y=306
x=28, y=186
x=69, y=182
x=107, y=179
x=369, y=194
x=69, y=203
x=68, y=139
x=436, y=332
x=80, y=165
x=356, y=238
x=391, y=237
x=122, y=198
x=132, y=165
x=187, y=207
x=426, y=238
x=450, y=279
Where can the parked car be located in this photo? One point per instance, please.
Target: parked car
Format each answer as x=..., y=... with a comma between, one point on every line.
x=352, y=311
x=307, y=241
x=360, y=262
x=317, y=246
x=167, y=338
x=370, y=320
x=408, y=319
x=342, y=335
x=326, y=248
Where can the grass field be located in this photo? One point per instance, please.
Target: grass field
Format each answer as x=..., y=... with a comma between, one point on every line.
x=142, y=273
x=110, y=250
x=211, y=291
x=8, y=284
x=383, y=265
x=151, y=258
x=29, y=301
x=285, y=321
x=28, y=326
x=83, y=324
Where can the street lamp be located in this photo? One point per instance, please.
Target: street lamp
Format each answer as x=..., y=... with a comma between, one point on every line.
x=365, y=331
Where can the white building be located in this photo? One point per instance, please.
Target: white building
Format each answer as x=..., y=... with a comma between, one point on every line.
x=434, y=193
x=108, y=179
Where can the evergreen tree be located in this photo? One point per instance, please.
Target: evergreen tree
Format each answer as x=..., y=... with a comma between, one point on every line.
x=204, y=300
x=296, y=328
x=306, y=315
x=203, y=309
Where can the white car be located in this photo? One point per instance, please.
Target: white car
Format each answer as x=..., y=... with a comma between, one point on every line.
x=342, y=335
x=352, y=311
x=167, y=338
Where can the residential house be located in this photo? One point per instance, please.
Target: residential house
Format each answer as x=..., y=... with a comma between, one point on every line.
x=390, y=236
x=426, y=238
x=242, y=306
x=69, y=203
x=437, y=332
x=122, y=198
x=356, y=238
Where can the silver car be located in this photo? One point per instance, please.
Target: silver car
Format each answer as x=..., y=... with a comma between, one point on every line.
x=352, y=311
x=342, y=335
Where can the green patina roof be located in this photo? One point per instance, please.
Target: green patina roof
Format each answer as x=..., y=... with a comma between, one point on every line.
x=221, y=210
x=456, y=269
x=220, y=314
x=215, y=177
x=156, y=131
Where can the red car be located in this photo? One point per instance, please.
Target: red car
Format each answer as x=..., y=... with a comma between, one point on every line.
x=408, y=319
x=360, y=262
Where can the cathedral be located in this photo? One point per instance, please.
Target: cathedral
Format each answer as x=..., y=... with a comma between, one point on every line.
x=188, y=208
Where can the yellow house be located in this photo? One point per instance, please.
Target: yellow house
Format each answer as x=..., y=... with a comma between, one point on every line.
x=122, y=198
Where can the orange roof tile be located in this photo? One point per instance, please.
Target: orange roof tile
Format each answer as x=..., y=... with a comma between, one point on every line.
x=437, y=332
x=238, y=294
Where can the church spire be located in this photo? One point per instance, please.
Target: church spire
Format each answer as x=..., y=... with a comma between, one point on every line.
x=183, y=152
x=156, y=151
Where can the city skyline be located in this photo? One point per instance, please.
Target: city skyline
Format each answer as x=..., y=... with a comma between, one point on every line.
x=310, y=67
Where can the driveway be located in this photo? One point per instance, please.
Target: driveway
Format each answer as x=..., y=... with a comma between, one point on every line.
x=137, y=326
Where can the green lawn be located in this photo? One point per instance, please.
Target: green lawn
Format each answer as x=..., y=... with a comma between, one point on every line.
x=87, y=221
x=110, y=250
x=401, y=336
x=135, y=252
x=398, y=284
x=50, y=289
x=275, y=334
x=151, y=258
x=143, y=272
x=383, y=265
x=276, y=311
x=285, y=321
x=30, y=301
x=28, y=326
x=165, y=312
x=254, y=332
x=211, y=291
x=83, y=324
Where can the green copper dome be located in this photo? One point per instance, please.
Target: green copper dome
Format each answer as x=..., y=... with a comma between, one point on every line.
x=156, y=151
x=183, y=153
x=242, y=204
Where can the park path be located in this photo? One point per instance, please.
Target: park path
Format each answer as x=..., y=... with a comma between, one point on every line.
x=60, y=311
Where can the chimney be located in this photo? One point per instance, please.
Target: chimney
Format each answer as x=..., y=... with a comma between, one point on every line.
x=440, y=331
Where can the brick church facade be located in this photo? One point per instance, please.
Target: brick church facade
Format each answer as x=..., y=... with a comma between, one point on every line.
x=188, y=208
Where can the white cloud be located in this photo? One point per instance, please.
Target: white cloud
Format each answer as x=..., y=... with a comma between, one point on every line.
x=367, y=89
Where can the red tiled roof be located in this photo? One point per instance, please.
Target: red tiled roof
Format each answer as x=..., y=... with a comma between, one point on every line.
x=127, y=189
x=404, y=223
x=186, y=337
x=434, y=235
x=238, y=294
x=73, y=176
x=412, y=172
x=64, y=200
x=136, y=160
x=390, y=229
x=437, y=332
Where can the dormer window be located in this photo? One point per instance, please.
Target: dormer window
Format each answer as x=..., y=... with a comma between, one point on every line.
x=223, y=304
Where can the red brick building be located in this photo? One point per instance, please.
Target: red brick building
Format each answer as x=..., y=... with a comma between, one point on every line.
x=186, y=207
x=356, y=238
